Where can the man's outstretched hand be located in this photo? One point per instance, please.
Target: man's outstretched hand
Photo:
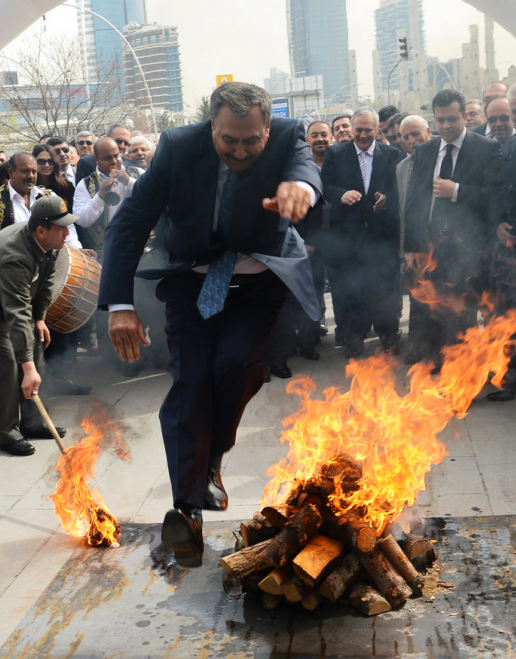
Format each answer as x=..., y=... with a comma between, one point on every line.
x=126, y=332
x=291, y=201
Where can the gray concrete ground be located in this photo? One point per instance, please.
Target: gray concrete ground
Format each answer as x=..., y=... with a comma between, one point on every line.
x=476, y=479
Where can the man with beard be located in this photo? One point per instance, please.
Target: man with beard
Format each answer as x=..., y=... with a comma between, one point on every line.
x=139, y=147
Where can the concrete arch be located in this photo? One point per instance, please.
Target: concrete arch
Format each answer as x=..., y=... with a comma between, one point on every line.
x=501, y=11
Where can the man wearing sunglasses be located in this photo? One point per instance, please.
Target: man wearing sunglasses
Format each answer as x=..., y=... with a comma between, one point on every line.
x=62, y=150
x=84, y=143
x=500, y=121
x=87, y=163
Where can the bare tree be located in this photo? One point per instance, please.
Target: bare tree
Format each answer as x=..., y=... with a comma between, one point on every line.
x=51, y=96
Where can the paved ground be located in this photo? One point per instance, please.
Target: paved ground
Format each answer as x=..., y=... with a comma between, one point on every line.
x=476, y=479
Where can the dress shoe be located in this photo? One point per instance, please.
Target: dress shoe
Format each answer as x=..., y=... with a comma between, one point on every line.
x=69, y=388
x=501, y=396
x=309, y=353
x=414, y=356
x=354, y=348
x=281, y=371
x=182, y=533
x=216, y=497
x=267, y=377
x=390, y=344
x=323, y=330
x=18, y=447
x=41, y=432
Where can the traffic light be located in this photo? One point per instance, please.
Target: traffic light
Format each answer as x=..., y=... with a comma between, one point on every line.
x=403, y=47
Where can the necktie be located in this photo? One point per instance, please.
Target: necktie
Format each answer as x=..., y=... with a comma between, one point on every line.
x=363, y=167
x=215, y=287
x=446, y=170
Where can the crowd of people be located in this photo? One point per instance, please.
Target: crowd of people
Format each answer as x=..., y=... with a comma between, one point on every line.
x=248, y=229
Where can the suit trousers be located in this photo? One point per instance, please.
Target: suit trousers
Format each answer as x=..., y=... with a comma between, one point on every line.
x=216, y=369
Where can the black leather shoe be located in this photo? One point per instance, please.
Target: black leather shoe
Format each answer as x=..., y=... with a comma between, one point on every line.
x=69, y=388
x=501, y=396
x=41, y=432
x=182, y=533
x=18, y=447
x=414, y=356
x=281, y=371
x=216, y=497
x=267, y=377
x=354, y=348
x=309, y=353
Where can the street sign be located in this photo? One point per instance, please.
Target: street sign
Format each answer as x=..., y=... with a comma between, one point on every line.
x=280, y=109
x=227, y=77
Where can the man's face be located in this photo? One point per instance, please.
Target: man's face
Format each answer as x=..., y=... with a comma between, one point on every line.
x=476, y=115
x=108, y=156
x=364, y=131
x=392, y=136
x=23, y=178
x=84, y=145
x=319, y=138
x=412, y=135
x=492, y=91
x=62, y=152
x=239, y=141
x=342, y=130
x=3, y=158
x=53, y=238
x=499, y=119
x=138, y=154
x=382, y=131
x=450, y=121
x=121, y=137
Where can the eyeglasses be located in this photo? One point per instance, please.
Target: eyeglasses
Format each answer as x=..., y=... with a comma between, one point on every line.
x=503, y=118
x=119, y=140
x=83, y=142
x=43, y=162
x=64, y=149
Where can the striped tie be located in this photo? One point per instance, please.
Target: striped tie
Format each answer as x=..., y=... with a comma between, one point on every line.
x=363, y=167
x=215, y=287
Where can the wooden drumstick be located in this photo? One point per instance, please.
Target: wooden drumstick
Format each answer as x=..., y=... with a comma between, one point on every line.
x=48, y=421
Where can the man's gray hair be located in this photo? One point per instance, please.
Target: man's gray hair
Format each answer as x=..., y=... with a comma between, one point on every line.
x=366, y=112
x=415, y=119
x=86, y=133
x=137, y=139
x=240, y=97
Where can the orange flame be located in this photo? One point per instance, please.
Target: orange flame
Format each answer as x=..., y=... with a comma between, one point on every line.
x=81, y=512
x=423, y=290
x=391, y=435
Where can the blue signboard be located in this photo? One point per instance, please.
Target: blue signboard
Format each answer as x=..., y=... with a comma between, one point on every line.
x=280, y=109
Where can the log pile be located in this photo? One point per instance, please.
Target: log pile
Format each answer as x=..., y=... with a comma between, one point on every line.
x=300, y=551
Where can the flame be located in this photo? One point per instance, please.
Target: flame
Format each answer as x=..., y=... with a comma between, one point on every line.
x=81, y=512
x=391, y=435
x=423, y=264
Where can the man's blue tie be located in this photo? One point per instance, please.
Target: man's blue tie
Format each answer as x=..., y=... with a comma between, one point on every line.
x=215, y=288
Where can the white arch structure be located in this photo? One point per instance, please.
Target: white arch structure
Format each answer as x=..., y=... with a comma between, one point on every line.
x=15, y=20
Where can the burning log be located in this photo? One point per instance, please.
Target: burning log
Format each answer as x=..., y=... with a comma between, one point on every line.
x=272, y=582
x=316, y=559
x=419, y=550
x=387, y=579
x=279, y=515
x=246, y=561
x=294, y=589
x=296, y=534
x=399, y=560
x=255, y=531
x=355, y=533
x=368, y=600
x=338, y=581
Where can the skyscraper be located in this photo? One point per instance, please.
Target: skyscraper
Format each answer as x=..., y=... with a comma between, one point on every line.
x=392, y=18
x=100, y=43
x=318, y=43
x=157, y=48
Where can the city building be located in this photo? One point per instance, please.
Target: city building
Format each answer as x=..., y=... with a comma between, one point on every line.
x=101, y=45
x=318, y=43
x=157, y=49
x=300, y=97
x=396, y=19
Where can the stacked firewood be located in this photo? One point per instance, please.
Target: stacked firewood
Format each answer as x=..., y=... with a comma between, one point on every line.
x=300, y=551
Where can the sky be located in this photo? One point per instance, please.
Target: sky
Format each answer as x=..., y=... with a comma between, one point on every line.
x=249, y=37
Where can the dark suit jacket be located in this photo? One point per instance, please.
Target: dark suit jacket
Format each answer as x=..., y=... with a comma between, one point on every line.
x=182, y=179
x=480, y=130
x=477, y=170
x=356, y=226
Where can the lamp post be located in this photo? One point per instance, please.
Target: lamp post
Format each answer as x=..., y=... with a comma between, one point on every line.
x=133, y=53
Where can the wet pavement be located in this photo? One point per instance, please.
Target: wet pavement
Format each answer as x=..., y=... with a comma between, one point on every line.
x=122, y=602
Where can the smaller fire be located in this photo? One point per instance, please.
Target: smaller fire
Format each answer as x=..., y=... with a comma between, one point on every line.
x=423, y=264
x=84, y=513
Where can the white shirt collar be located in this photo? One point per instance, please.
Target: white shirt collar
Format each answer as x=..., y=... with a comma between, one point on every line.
x=458, y=142
x=370, y=150
x=33, y=193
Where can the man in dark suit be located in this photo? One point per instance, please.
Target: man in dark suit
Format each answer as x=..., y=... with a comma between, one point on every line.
x=449, y=212
x=492, y=91
x=359, y=179
x=230, y=187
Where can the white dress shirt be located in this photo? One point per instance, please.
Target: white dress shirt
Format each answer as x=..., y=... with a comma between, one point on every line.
x=69, y=175
x=88, y=208
x=455, y=154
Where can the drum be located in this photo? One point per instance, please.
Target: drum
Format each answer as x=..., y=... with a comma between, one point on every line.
x=76, y=288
